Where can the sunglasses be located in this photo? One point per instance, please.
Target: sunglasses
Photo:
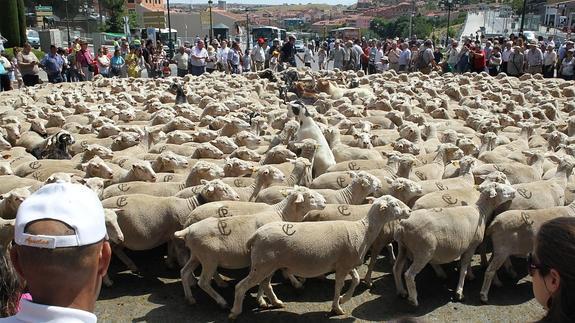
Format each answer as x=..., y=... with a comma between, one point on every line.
x=533, y=265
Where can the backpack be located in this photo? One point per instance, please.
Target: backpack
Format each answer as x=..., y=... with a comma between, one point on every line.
x=421, y=62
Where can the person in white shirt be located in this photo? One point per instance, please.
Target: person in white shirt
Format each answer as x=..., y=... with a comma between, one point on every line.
x=534, y=59
x=258, y=55
x=307, y=56
x=452, y=56
x=60, y=250
x=181, y=60
x=549, y=61
x=223, y=53
x=505, y=56
x=198, y=58
x=379, y=58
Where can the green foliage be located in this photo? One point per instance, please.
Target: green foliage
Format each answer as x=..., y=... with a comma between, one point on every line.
x=9, y=25
x=517, y=6
x=422, y=26
x=116, y=10
x=39, y=54
x=133, y=19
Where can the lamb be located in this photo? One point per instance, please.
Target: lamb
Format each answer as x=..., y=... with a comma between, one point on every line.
x=149, y=221
x=355, y=193
x=440, y=236
x=309, y=129
x=221, y=242
x=311, y=249
x=343, y=152
x=10, y=202
x=513, y=233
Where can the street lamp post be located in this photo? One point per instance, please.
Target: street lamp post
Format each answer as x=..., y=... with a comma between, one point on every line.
x=210, y=2
x=247, y=29
x=448, y=4
x=170, y=44
x=523, y=16
x=68, y=24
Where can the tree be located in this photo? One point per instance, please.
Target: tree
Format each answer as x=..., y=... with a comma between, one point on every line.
x=116, y=11
x=9, y=25
x=22, y=21
x=58, y=6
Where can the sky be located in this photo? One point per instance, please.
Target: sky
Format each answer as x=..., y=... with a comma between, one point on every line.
x=273, y=2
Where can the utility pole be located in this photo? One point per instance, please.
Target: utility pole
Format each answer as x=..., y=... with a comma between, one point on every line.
x=68, y=24
x=170, y=44
x=247, y=29
x=210, y=2
x=411, y=16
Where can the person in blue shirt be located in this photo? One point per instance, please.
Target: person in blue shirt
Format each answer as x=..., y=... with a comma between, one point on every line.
x=52, y=63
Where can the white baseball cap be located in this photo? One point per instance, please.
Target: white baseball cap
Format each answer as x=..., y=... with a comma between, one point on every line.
x=73, y=204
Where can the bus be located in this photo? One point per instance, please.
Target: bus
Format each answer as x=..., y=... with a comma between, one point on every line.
x=346, y=33
x=268, y=32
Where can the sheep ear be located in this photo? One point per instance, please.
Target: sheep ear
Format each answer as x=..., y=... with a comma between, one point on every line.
x=355, y=136
x=203, y=182
x=284, y=193
x=370, y=199
x=455, y=163
x=299, y=199
x=554, y=158
x=389, y=180
x=291, y=160
x=78, y=179
x=84, y=166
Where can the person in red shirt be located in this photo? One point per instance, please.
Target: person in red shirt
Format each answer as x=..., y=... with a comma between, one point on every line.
x=478, y=59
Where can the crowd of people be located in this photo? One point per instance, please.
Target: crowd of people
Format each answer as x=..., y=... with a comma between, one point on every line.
x=513, y=56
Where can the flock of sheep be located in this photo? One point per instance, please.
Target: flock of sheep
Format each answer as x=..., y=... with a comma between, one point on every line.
x=304, y=174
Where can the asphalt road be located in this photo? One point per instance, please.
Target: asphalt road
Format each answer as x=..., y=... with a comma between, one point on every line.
x=156, y=295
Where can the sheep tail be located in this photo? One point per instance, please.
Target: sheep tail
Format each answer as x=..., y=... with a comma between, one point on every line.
x=182, y=233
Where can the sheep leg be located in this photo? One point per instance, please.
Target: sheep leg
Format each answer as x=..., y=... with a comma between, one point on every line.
x=208, y=271
x=464, y=266
x=496, y=261
x=391, y=253
x=258, y=273
x=339, y=281
x=117, y=250
x=220, y=281
x=354, y=282
x=296, y=283
x=266, y=286
x=414, y=269
x=187, y=274
x=398, y=271
x=376, y=248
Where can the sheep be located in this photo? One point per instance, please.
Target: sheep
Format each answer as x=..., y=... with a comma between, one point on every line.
x=310, y=249
x=148, y=221
x=516, y=172
x=436, y=167
x=5, y=169
x=10, y=202
x=140, y=171
x=264, y=177
x=343, y=152
x=440, y=236
x=54, y=147
x=456, y=197
x=355, y=193
x=309, y=129
x=6, y=233
x=221, y=242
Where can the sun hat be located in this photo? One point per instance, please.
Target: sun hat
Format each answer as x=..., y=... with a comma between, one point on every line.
x=73, y=204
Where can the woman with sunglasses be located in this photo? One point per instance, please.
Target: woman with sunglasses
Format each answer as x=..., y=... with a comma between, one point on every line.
x=552, y=267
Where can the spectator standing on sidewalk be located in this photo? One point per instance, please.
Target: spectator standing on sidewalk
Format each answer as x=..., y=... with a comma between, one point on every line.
x=287, y=53
x=223, y=54
x=322, y=57
x=117, y=64
x=404, y=57
x=198, y=56
x=549, y=61
x=307, y=56
x=494, y=61
x=516, y=62
x=52, y=63
x=5, y=69
x=393, y=55
x=507, y=50
x=534, y=59
x=28, y=64
x=337, y=55
x=211, y=60
x=452, y=57
x=258, y=55
x=181, y=61
x=568, y=65
x=84, y=62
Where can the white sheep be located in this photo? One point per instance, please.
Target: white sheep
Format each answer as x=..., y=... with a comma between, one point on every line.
x=310, y=249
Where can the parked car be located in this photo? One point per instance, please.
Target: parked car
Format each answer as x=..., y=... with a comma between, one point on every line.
x=299, y=46
x=33, y=38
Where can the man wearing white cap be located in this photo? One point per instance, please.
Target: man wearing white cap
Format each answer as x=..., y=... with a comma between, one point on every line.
x=60, y=250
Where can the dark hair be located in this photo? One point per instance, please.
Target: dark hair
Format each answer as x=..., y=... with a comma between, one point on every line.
x=10, y=289
x=555, y=249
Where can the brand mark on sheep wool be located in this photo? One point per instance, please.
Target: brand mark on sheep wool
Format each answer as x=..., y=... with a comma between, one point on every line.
x=420, y=175
x=121, y=201
x=168, y=178
x=35, y=165
x=36, y=176
x=525, y=193
x=288, y=229
x=343, y=210
x=440, y=186
x=500, y=169
x=353, y=166
x=447, y=198
x=223, y=228
x=163, y=148
x=238, y=182
x=341, y=181
x=223, y=211
x=122, y=162
x=84, y=144
x=124, y=187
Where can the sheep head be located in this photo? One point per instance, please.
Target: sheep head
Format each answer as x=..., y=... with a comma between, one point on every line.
x=216, y=190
